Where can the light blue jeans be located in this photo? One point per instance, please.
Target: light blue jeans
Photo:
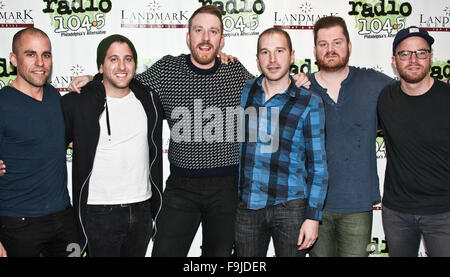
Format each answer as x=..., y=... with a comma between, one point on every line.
x=343, y=235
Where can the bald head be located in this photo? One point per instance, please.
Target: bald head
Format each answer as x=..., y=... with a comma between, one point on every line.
x=31, y=31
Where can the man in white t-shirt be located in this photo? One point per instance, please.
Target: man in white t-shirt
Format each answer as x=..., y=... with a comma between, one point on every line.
x=117, y=169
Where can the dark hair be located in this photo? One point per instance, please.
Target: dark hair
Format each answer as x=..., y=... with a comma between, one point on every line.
x=210, y=9
x=328, y=22
x=104, y=45
x=18, y=36
x=275, y=30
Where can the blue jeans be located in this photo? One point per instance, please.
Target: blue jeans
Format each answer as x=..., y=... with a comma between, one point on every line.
x=403, y=233
x=282, y=222
x=119, y=230
x=187, y=202
x=48, y=236
x=343, y=235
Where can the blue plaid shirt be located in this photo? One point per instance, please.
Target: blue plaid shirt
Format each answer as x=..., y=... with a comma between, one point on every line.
x=282, y=156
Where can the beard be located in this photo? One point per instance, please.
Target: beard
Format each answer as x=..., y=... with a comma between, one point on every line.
x=204, y=58
x=333, y=66
x=415, y=77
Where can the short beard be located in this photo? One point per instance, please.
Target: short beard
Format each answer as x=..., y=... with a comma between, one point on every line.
x=336, y=67
x=202, y=59
x=412, y=79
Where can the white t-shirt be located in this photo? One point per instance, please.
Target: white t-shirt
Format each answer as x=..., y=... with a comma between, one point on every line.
x=120, y=174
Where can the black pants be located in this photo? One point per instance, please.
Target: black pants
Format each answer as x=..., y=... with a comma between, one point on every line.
x=52, y=235
x=187, y=202
x=119, y=230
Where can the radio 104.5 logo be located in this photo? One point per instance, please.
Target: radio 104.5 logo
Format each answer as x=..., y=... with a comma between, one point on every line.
x=379, y=18
x=240, y=17
x=77, y=17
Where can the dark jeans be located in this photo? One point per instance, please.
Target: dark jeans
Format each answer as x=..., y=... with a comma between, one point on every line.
x=50, y=236
x=187, y=202
x=403, y=233
x=119, y=230
x=282, y=222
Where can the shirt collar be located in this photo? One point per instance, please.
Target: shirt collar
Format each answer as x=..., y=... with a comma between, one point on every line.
x=291, y=90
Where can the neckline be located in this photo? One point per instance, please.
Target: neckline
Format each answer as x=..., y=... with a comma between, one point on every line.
x=201, y=71
x=28, y=96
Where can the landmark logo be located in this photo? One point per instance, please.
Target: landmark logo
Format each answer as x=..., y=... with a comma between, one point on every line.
x=154, y=14
x=16, y=18
x=436, y=22
x=303, y=18
x=61, y=82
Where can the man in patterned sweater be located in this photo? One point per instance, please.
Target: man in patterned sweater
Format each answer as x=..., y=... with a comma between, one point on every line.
x=195, y=90
x=198, y=94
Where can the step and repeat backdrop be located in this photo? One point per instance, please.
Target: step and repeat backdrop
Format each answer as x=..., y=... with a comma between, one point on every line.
x=158, y=28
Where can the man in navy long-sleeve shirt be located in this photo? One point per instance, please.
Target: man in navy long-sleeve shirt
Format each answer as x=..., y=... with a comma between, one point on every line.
x=350, y=97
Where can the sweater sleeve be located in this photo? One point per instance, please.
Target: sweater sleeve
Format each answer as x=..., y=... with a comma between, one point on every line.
x=152, y=76
x=247, y=75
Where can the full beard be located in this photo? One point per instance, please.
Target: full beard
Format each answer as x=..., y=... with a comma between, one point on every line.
x=333, y=66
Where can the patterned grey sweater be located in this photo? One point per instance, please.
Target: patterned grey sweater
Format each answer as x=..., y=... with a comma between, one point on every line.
x=198, y=106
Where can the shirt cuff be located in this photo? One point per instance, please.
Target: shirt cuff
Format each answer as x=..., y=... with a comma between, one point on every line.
x=313, y=213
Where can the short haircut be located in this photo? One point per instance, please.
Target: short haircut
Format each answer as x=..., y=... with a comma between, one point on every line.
x=275, y=30
x=210, y=9
x=18, y=36
x=328, y=22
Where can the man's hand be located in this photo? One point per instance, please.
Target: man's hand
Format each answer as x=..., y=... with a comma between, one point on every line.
x=79, y=82
x=301, y=80
x=308, y=234
x=224, y=58
x=2, y=169
x=2, y=251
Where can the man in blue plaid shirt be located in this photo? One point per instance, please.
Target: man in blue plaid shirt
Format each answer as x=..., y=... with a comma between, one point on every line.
x=283, y=171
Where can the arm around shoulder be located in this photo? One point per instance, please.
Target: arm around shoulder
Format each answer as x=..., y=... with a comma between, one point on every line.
x=68, y=104
x=78, y=82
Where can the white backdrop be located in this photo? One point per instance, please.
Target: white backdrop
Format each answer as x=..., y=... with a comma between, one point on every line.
x=158, y=28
